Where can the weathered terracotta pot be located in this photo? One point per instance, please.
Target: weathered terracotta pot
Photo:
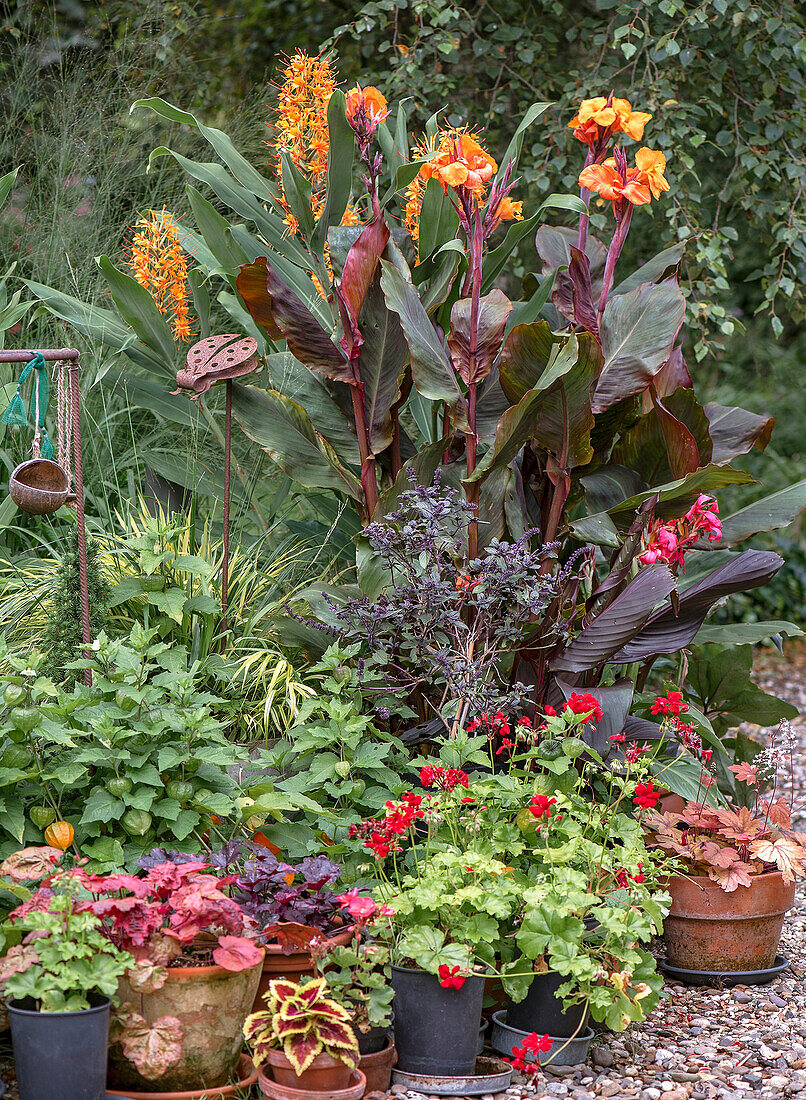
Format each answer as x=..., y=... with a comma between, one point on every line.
x=709, y=929
x=295, y=967
x=377, y=1067
x=211, y=1004
x=324, y=1074
x=246, y=1074
x=354, y=1091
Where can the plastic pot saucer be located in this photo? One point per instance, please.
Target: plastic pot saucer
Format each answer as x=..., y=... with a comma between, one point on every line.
x=724, y=979
x=491, y=1075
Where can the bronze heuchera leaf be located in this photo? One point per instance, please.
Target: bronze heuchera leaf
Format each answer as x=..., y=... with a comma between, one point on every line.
x=216, y=359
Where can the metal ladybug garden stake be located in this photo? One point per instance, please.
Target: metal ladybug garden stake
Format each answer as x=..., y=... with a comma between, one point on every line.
x=40, y=486
x=220, y=359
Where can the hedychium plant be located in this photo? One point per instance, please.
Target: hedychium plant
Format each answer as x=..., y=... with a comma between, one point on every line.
x=389, y=348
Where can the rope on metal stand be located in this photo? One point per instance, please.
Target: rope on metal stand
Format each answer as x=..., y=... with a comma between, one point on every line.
x=64, y=423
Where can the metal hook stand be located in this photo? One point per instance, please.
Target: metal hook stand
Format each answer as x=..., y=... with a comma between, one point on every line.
x=70, y=356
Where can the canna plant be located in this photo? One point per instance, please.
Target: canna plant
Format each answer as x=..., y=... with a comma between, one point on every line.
x=369, y=266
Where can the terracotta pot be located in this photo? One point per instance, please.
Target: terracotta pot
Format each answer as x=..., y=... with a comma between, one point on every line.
x=354, y=1091
x=295, y=967
x=377, y=1067
x=709, y=929
x=211, y=1004
x=671, y=803
x=246, y=1072
x=324, y=1074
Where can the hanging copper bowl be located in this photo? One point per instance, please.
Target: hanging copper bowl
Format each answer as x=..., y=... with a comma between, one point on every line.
x=39, y=487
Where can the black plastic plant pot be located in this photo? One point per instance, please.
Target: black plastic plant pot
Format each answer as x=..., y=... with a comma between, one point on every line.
x=60, y=1054
x=542, y=1010
x=370, y=1042
x=436, y=1029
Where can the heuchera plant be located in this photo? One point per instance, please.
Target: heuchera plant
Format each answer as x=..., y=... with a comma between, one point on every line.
x=170, y=913
x=302, y=1021
x=734, y=844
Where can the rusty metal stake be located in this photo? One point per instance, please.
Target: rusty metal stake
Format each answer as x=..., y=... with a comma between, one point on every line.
x=225, y=559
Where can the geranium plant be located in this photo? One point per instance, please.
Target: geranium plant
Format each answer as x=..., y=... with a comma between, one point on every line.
x=302, y=1022
x=65, y=958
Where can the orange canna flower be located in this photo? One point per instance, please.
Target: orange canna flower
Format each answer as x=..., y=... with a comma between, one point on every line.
x=373, y=102
x=416, y=189
x=465, y=165
x=160, y=265
x=629, y=121
x=652, y=164
x=596, y=115
x=509, y=210
x=594, y=110
x=607, y=181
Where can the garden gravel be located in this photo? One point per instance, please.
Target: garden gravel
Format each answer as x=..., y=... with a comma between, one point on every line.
x=745, y=1043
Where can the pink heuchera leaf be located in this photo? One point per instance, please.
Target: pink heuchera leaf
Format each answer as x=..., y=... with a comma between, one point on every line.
x=745, y=773
x=146, y=977
x=237, y=953
x=153, y=1048
x=787, y=855
x=30, y=864
x=16, y=961
x=729, y=878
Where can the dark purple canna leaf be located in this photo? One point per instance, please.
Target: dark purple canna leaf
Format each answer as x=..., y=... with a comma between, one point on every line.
x=736, y=431
x=620, y=621
x=673, y=374
x=583, y=307
x=554, y=244
x=273, y=304
x=668, y=632
x=526, y=354
x=494, y=309
x=361, y=265
x=638, y=332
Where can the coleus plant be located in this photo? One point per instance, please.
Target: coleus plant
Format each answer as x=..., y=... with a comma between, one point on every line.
x=389, y=351
x=302, y=1022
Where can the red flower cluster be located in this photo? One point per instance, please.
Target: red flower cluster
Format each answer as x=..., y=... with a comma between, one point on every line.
x=540, y=806
x=450, y=978
x=533, y=1044
x=623, y=877
x=646, y=795
x=635, y=752
x=445, y=778
x=381, y=836
x=671, y=703
x=494, y=723
x=670, y=542
x=584, y=703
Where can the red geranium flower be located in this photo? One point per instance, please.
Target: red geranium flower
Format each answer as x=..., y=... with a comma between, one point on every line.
x=584, y=703
x=670, y=703
x=540, y=805
x=646, y=795
x=450, y=977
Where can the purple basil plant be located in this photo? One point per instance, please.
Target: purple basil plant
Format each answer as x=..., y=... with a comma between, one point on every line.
x=274, y=892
